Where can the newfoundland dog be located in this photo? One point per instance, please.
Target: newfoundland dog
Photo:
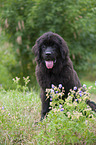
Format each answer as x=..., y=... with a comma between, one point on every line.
x=54, y=66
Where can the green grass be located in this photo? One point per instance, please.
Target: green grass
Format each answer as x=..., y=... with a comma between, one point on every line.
x=19, y=113
x=92, y=91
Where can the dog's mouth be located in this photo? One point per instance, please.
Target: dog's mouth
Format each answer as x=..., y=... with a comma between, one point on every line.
x=50, y=63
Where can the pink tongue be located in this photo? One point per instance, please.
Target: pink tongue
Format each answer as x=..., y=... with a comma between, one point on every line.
x=49, y=64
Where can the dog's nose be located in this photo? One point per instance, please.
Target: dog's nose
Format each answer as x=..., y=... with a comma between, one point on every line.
x=48, y=53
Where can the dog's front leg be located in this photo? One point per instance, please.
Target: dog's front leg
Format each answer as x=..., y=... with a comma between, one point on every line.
x=45, y=104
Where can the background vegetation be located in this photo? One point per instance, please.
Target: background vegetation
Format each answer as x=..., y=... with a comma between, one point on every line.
x=23, y=21
x=20, y=115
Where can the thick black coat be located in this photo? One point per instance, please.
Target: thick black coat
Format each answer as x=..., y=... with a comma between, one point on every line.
x=61, y=73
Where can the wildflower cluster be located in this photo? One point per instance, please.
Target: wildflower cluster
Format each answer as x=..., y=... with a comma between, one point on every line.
x=18, y=86
x=55, y=95
x=74, y=106
x=16, y=80
x=26, y=80
x=71, y=121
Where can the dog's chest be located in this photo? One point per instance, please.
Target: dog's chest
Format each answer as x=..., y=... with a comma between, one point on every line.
x=47, y=78
x=57, y=79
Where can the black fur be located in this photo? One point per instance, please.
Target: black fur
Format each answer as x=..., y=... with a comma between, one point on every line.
x=52, y=47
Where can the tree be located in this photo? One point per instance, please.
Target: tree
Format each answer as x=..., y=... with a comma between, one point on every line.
x=26, y=20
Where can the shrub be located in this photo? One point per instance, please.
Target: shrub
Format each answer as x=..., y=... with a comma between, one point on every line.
x=24, y=21
x=70, y=121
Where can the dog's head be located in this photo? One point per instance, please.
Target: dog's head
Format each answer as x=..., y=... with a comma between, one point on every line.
x=49, y=49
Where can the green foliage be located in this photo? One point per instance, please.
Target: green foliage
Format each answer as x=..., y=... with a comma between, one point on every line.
x=7, y=63
x=5, y=78
x=7, y=55
x=14, y=16
x=19, y=112
x=19, y=87
x=26, y=20
x=58, y=129
x=69, y=122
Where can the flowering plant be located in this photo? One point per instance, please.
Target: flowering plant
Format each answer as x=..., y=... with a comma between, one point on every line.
x=71, y=120
x=74, y=106
x=55, y=94
x=19, y=87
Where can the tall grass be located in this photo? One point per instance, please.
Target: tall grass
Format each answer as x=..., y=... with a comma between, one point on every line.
x=19, y=112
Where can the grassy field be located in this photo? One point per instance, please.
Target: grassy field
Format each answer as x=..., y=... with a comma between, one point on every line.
x=19, y=112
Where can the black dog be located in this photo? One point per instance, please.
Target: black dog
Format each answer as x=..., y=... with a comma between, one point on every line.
x=54, y=66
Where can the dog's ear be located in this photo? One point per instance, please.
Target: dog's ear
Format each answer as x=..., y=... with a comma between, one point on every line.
x=36, y=47
x=63, y=47
x=64, y=50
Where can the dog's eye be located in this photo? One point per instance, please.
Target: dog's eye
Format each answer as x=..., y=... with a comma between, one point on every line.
x=43, y=47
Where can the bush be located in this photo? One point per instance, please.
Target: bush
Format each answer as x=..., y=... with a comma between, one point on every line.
x=24, y=21
x=7, y=62
x=70, y=121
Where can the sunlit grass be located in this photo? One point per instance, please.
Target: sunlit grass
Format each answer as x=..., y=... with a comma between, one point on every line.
x=19, y=112
x=93, y=89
